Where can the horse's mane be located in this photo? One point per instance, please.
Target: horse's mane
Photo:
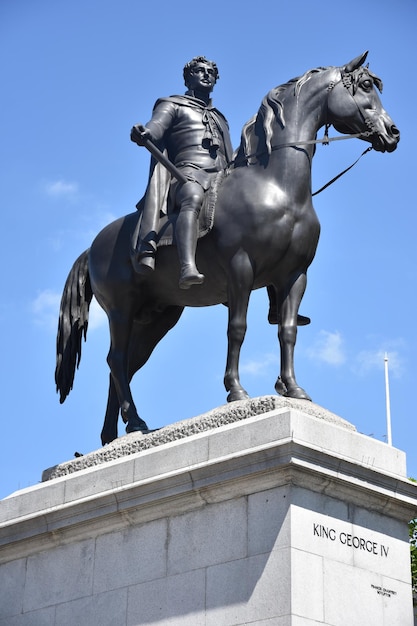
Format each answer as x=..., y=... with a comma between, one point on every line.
x=257, y=132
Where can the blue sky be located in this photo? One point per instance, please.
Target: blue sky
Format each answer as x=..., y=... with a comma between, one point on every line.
x=75, y=77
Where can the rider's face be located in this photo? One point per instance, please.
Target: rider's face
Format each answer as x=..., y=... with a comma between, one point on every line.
x=202, y=78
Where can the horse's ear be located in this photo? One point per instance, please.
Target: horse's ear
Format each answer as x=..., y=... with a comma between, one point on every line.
x=353, y=65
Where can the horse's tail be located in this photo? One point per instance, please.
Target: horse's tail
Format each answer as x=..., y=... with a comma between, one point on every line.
x=72, y=325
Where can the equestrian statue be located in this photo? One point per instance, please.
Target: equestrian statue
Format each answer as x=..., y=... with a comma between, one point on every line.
x=213, y=227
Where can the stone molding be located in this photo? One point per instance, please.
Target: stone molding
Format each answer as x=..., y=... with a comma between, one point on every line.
x=280, y=446
x=221, y=416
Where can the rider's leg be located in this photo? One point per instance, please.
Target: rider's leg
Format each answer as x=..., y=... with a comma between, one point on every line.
x=190, y=199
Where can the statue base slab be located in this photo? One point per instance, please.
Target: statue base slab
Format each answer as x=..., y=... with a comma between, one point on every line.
x=286, y=518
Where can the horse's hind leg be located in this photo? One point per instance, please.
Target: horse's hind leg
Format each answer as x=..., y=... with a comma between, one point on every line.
x=286, y=384
x=239, y=289
x=143, y=340
x=121, y=327
x=274, y=313
x=109, y=430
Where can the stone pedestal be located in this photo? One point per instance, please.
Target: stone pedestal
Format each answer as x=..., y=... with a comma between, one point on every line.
x=286, y=518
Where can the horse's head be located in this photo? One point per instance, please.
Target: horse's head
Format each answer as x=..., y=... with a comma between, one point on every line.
x=354, y=107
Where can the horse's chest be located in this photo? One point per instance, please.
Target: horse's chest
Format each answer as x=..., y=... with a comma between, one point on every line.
x=285, y=240
x=257, y=213
x=283, y=225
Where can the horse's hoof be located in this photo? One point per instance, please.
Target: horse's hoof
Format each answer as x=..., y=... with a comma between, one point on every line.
x=107, y=438
x=297, y=393
x=280, y=387
x=235, y=396
x=137, y=425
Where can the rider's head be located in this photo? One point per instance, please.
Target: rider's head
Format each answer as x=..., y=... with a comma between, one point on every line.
x=199, y=65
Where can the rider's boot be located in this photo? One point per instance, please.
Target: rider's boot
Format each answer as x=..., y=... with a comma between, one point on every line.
x=186, y=237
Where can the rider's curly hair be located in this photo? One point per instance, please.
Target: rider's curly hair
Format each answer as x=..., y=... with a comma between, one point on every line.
x=188, y=67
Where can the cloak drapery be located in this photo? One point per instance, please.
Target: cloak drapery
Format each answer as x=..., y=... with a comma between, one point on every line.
x=156, y=201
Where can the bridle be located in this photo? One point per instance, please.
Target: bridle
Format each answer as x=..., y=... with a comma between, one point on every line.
x=346, y=80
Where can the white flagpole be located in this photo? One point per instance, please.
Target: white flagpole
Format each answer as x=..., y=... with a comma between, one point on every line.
x=387, y=400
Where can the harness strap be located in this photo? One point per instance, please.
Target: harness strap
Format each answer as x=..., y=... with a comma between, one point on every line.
x=325, y=141
x=294, y=144
x=341, y=173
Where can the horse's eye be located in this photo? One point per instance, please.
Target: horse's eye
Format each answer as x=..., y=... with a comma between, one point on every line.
x=367, y=84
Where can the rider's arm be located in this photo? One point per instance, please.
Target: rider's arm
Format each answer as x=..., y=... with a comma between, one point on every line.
x=162, y=119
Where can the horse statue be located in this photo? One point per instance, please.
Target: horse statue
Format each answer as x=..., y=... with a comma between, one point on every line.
x=265, y=234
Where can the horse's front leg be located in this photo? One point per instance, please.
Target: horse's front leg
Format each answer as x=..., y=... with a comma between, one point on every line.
x=286, y=384
x=239, y=289
x=118, y=360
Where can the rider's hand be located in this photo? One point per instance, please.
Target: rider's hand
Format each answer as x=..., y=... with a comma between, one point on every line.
x=139, y=134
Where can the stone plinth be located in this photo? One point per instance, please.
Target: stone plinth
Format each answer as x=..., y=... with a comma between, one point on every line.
x=287, y=518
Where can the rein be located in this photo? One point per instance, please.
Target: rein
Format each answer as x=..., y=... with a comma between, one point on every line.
x=335, y=178
x=294, y=144
x=325, y=141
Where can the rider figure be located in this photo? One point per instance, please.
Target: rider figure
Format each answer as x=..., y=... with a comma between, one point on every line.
x=196, y=138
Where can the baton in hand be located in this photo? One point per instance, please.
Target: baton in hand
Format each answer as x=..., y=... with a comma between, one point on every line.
x=159, y=156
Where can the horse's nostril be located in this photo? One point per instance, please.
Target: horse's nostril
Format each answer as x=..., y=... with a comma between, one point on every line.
x=395, y=132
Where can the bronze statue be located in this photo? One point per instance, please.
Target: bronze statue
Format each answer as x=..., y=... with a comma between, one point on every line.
x=196, y=139
x=264, y=234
